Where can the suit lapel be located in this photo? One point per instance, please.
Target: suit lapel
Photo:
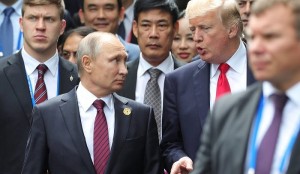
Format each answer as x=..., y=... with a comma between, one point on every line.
x=122, y=123
x=201, y=88
x=67, y=77
x=16, y=76
x=71, y=116
x=294, y=166
x=246, y=110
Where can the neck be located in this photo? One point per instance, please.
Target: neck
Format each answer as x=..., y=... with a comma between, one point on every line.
x=41, y=56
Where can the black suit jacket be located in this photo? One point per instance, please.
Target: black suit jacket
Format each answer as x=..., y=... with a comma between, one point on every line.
x=129, y=87
x=57, y=141
x=186, y=105
x=225, y=136
x=16, y=107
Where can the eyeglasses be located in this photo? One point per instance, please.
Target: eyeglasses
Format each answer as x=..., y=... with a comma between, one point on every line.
x=68, y=54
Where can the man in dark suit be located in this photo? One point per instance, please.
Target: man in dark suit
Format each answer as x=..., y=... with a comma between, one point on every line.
x=42, y=23
x=155, y=25
x=105, y=16
x=191, y=90
x=249, y=132
x=63, y=135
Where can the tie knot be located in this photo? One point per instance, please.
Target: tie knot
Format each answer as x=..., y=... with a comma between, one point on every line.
x=279, y=101
x=224, y=67
x=8, y=11
x=42, y=68
x=99, y=104
x=154, y=73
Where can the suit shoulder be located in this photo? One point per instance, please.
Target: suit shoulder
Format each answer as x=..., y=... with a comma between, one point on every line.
x=130, y=102
x=187, y=70
x=231, y=101
x=67, y=64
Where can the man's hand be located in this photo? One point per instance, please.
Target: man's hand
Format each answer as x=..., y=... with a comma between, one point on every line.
x=183, y=166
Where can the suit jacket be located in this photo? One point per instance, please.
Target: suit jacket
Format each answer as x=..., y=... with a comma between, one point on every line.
x=230, y=122
x=16, y=107
x=186, y=105
x=57, y=141
x=129, y=87
x=132, y=50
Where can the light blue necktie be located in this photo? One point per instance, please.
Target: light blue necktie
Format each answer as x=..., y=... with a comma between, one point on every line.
x=6, y=32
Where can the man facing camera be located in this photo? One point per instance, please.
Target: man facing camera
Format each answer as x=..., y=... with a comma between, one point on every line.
x=92, y=130
x=257, y=131
x=29, y=77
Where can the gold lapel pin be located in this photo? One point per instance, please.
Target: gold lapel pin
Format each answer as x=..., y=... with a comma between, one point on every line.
x=127, y=111
x=71, y=78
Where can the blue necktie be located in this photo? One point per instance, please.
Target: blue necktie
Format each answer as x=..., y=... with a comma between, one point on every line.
x=6, y=32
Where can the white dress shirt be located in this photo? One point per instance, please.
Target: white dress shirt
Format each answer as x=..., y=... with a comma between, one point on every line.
x=236, y=75
x=15, y=16
x=51, y=76
x=290, y=123
x=88, y=115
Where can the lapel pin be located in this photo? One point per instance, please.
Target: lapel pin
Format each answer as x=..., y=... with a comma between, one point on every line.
x=127, y=111
x=71, y=78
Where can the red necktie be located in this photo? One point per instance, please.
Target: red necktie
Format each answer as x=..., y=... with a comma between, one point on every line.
x=101, y=140
x=267, y=146
x=40, y=93
x=223, y=86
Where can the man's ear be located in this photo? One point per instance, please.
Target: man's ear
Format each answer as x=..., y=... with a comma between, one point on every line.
x=86, y=63
x=135, y=28
x=81, y=16
x=233, y=31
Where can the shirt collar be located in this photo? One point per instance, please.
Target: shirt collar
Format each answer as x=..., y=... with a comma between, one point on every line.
x=31, y=63
x=166, y=66
x=292, y=93
x=237, y=62
x=86, y=98
x=17, y=7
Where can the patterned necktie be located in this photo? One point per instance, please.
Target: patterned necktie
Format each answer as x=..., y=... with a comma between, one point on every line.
x=223, y=84
x=153, y=97
x=267, y=146
x=6, y=32
x=101, y=140
x=40, y=93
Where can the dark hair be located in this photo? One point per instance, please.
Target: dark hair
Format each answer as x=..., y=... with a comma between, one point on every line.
x=165, y=5
x=181, y=14
x=82, y=31
x=119, y=4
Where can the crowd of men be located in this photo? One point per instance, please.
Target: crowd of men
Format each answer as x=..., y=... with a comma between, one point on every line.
x=113, y=96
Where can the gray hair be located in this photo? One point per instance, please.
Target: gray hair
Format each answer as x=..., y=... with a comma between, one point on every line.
x=227, y=9
x=89, y=46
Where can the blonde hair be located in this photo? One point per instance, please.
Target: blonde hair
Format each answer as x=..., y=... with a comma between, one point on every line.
x=226, y=9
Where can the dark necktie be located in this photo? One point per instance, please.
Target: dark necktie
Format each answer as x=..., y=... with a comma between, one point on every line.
x=6, y=32
x=223, y=86
x=153, y=97
x=101, y=140
x=267, y=146
x=121, y=29
x=40, y=93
